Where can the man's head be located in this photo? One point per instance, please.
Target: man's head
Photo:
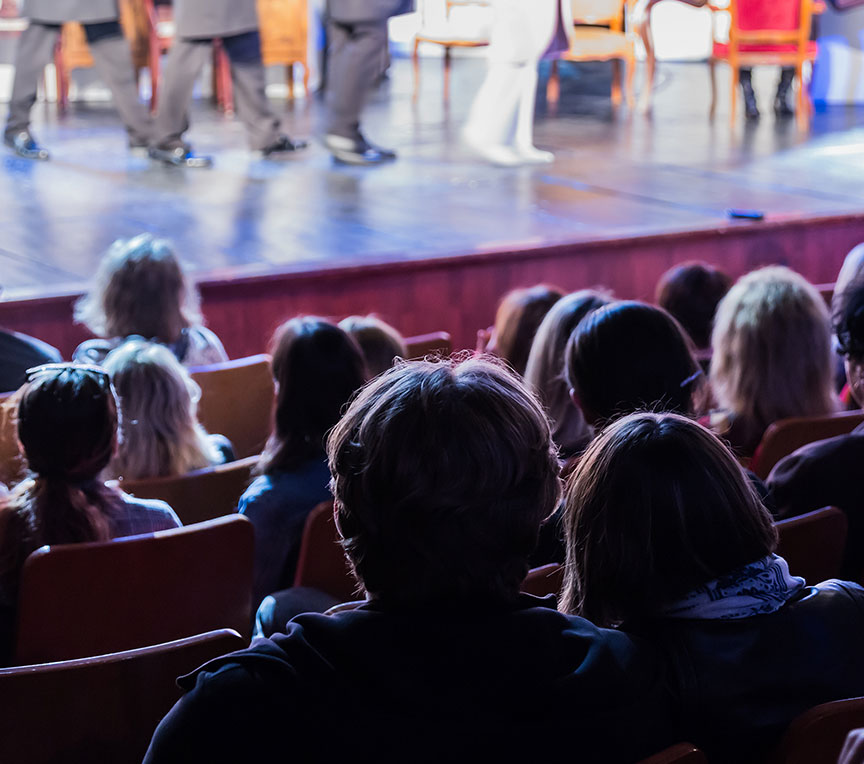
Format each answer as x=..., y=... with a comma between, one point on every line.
x=442, y=474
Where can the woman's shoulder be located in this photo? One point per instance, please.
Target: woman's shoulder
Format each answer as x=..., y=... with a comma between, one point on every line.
x=309, y=483
x=203, y=347
x=95, y=350
x=135, y=516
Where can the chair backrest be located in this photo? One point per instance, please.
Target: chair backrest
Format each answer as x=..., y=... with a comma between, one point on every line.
x=788, y=435
x=683, y=753
x=101, y=709
x=79, y=600
x=321, y=564
x=759, y=15
x=814, y=544
x=547, y=579
x=826, y=291
x=201, y=495
x=601, y=12
x=237, y=400
x=817, y=735
x=435, y=343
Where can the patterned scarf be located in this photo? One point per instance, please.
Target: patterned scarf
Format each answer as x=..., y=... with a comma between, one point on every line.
x=755, y=589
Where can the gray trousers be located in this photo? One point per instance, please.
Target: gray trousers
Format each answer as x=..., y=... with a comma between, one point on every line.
x=354, y=62
x=185, y=62
x=113, y=60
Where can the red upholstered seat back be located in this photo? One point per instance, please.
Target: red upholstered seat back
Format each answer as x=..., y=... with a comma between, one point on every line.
x=755, y=15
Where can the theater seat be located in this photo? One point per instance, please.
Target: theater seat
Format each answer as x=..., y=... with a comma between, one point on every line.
x=434, y=343
x=322, y=564
x=547, y=579
x=80, y=600
x=683, y=753
x=817, y=735
x=101, y=709
x=814, y=544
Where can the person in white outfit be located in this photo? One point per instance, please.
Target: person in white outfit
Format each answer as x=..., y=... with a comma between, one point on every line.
x=500, y=126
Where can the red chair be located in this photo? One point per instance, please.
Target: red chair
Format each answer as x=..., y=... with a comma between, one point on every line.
x=788, y=435
x=772, y=32
x=817, y=735
x=683, y=753
x=322, y=564
x=814, y=544
x=79, y=600
x=547, y=579
x=435, y=343
x=102, y=709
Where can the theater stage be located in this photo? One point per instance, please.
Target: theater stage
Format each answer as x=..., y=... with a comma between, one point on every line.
x=432, y=241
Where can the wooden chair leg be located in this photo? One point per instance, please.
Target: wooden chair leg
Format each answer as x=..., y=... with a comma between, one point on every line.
x=61, y=78
x=803, y=105
x=415, y=57
x=647, y=35
x=553, y=86
x=448, y=65
x=616, y=82
x=733, y=94
x=289, y=72
x=712, y=69
x=306, y=79
x=630, y=64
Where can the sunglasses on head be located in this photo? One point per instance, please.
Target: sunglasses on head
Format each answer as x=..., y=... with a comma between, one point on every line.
x=49, y=368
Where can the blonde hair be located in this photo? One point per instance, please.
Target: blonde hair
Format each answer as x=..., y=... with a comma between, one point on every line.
x=140, y=289
x=159, y=430
x=772, y=351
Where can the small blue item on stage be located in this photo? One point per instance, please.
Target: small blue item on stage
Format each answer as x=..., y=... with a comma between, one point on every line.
x=737, y=214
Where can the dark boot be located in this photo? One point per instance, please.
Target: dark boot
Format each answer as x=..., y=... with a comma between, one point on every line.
x=751, y=110
x=782, y=108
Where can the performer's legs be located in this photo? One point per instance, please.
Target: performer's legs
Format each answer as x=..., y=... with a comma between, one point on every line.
x=354, y=63
x=113, y=58
x=781, y=100
x=751, y=108
x=185, y=62
x=491, y=123
x=247, y=73
x=524, y=143
x=34, y=53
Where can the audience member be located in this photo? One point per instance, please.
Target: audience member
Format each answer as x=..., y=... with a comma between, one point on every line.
x=545, y=369
x=825, y=473
x=629, y=356
x=317, y=368
x=666, y=539
x=772, y=356
x=851, y=273
x=517, y=319
x=381, y=343
x=442, y=473
x=160, y=435
x=690, y=293
x=141, y=291
x=67, y=427
x=19, y=352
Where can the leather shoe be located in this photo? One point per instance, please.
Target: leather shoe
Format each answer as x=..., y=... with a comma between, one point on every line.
x=283, y=146
x=180, y=156
x=357, y=151
x=23, y=145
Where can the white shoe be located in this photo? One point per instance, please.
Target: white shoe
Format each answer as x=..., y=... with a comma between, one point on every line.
x=532, y=155
x=503, y=156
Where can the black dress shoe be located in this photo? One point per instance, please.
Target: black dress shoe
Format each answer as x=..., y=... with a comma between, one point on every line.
x=751, y=109
x=283, y=146
x=23, y=145
x=357, y=151
x=782, y=109
x=180, y=156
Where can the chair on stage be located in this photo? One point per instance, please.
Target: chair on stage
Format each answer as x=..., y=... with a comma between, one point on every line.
x=285, y=37
x=101, y=709
x=79, y=600
x=602, y=33
x=764, y=32
x=237, y=401
x=817, y=735
x=439, y=26
x=814, y=544
x=434, y=343
x=788, y=435
x=683, y=753
x=200, y=495
x=322, y=564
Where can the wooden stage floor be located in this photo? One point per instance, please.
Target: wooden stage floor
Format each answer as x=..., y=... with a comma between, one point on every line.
x=616, y=176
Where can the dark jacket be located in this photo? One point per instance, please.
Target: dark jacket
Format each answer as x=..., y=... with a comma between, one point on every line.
x=740, y=682
x=18, y=352
x=472, y=685
x=826, y=474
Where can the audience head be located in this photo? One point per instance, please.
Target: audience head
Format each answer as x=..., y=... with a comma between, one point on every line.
x=442, y=474
x=517, y=320
x=772, y=351
x=317, y=367
x=67, y=427
x=545, y=369
x=690, y=293
x=849, y=329
x=140, y=289
x=381, y=343
x=629, y=356
x=657, y=507
x=160, y=433
x=851, y=272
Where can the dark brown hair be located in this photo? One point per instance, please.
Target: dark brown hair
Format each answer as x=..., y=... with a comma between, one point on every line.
x=516, y=322
x=656, y=507
x=317, y=368
x=442, y=474
x=690, y=292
